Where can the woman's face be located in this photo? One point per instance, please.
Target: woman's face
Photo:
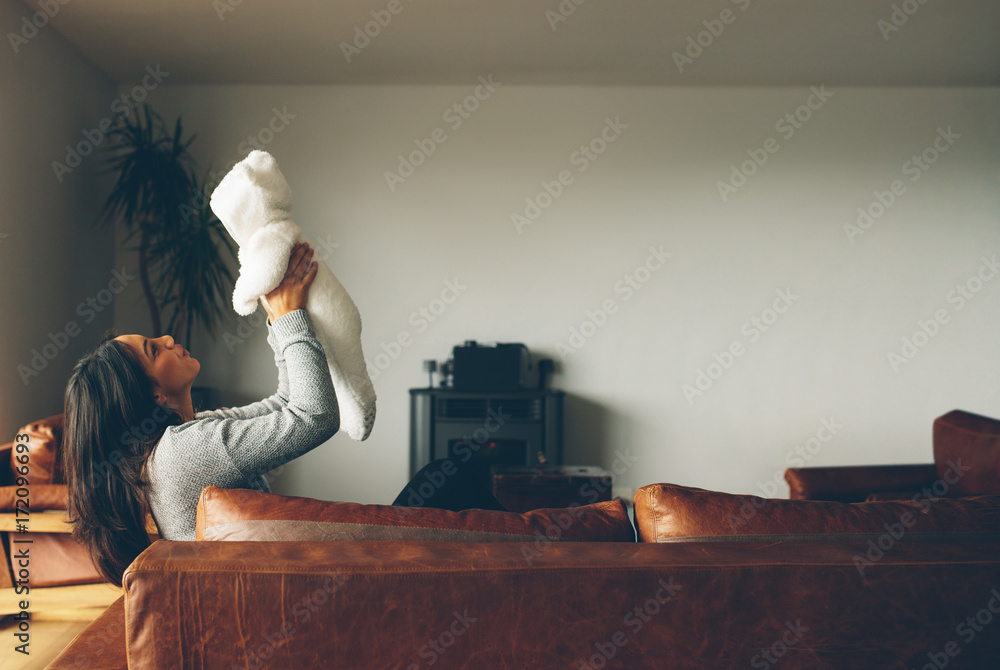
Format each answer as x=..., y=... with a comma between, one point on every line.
x=169, y=365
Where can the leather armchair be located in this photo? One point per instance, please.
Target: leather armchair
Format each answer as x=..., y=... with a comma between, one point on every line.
x=64, y=583
x=56, y=558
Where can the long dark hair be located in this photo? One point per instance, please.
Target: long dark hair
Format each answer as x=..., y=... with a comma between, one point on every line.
x=112, y=424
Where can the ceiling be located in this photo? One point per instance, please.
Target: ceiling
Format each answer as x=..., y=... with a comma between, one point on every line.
x=591, y=42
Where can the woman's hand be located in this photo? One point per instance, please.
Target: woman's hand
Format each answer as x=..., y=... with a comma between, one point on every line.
x=293, y=291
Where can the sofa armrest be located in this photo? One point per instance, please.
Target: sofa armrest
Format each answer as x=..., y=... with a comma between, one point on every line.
x=971, y=442
x=855, y=483
x=100, y=646
x=406, y=604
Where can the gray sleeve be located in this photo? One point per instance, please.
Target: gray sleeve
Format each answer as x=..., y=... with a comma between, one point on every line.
x=293, y=425
x=270, y=404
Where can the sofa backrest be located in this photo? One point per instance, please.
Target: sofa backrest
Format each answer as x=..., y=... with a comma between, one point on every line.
x=855, y=483
x=697, y=605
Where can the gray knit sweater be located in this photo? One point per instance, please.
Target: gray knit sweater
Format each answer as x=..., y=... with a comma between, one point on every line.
x=233, y=448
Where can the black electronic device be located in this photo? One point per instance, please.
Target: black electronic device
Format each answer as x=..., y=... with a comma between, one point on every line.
x=501, y=367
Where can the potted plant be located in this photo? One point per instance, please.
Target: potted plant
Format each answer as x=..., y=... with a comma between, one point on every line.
x=165, y=207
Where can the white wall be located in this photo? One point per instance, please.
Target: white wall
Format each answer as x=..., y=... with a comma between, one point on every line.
x=52, y=257
x=655, y=186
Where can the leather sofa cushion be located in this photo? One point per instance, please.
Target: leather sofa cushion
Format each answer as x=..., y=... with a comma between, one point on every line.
x=972, y=441
x=670, y=513
x=245, y=514
x=44, y=442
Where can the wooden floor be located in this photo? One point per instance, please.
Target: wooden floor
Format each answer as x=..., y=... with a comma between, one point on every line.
x=57, y=614
x=48, y=638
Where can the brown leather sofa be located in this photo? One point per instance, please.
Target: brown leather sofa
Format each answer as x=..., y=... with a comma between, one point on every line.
x=464, y=605
x=56, y=558
x=716, y=581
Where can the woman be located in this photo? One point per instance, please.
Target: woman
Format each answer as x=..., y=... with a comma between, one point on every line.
x=132, y=442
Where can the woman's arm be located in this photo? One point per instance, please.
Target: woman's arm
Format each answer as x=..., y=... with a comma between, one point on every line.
x=309, y=417
x=289, y=295
x=304, y=412
x=270, y=404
